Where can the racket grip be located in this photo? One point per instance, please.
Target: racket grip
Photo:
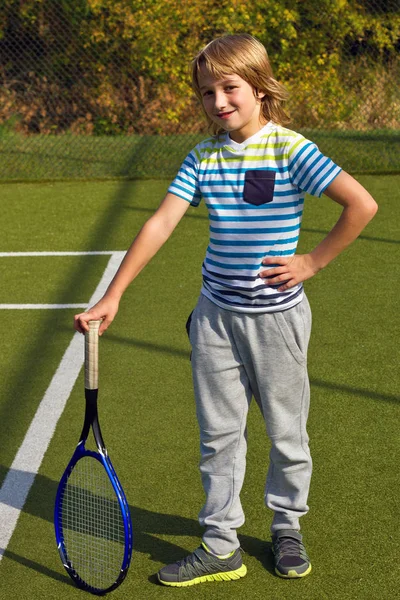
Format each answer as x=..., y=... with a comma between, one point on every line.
x=92, y=356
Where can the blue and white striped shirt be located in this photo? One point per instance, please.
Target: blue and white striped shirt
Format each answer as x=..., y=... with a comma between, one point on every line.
x=254, y=193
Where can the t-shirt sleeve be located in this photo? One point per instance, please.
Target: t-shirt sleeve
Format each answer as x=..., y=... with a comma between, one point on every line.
x=309, y=169
x=186, y=185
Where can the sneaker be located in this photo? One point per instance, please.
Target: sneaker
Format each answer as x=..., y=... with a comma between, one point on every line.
x=291, y=560
x=202, y=566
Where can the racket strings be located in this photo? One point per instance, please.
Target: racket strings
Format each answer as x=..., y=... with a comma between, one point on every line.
x=93, y=524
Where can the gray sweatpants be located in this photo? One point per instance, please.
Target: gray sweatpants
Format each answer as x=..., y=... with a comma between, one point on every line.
x=236, y=356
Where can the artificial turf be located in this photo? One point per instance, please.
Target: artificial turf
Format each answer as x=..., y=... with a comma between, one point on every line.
x=146, y=401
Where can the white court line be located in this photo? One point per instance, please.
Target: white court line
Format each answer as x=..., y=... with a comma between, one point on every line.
x=88, y=253
x=40, y=306
x=28, y=459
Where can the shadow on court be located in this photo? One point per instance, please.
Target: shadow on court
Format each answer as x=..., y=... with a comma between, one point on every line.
x=204, y=217
x=150, y=211
x=368, y=238
x=30, y=361
x=39, y=568
x=184, y=354
x=147, y=527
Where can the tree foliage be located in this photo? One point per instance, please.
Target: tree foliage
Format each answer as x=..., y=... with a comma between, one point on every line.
x=121, y=66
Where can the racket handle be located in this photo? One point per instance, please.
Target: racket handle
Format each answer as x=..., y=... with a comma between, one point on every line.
x=92, y=356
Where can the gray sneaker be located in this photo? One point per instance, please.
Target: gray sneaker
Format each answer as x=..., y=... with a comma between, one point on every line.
x=291, y=560
x=202, y=566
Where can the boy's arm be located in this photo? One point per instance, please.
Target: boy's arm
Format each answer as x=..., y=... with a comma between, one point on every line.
x=358, y=209
x=149, y=240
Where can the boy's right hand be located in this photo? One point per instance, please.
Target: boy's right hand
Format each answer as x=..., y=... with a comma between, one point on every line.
x=105, y=310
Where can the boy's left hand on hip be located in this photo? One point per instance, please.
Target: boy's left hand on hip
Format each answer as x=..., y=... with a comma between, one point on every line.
x=289, y=271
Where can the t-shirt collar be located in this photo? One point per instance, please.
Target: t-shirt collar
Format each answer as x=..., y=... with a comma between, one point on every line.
x=231, y=144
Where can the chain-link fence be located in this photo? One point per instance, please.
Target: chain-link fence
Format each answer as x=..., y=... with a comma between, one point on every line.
x=100, y=88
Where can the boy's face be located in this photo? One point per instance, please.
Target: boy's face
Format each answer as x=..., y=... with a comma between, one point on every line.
x=232, y=104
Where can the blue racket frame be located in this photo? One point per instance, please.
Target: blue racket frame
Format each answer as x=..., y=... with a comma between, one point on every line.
x=91, y=421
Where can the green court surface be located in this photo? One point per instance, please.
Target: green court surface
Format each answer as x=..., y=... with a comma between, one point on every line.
x=146, y=401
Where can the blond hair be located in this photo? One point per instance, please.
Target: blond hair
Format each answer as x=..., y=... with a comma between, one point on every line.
x=243, y=55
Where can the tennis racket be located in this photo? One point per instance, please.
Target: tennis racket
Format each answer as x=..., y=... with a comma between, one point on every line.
x=92, y=521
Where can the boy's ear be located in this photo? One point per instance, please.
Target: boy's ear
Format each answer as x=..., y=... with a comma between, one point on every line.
x=259, y=94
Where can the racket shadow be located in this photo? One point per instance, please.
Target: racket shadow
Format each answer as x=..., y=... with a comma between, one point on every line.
x=149, y=527
x=39, y=568
x=147, y=524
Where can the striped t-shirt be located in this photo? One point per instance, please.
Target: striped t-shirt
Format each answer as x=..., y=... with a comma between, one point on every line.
x=254, y=193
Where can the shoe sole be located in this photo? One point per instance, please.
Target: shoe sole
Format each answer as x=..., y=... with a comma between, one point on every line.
x=224, y=576
x=292, y=574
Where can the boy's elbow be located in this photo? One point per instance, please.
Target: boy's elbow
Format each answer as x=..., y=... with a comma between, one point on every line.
x=367, y=206
x=371, y=209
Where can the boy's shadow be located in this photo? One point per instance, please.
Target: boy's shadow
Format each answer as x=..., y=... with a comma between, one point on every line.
x=148, y=526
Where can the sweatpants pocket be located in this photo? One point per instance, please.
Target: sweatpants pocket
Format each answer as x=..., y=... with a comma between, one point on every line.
x=294, y=331
x=188, y=326
x=188, y=323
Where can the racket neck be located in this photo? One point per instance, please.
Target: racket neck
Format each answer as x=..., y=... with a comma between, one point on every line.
x=92, y=420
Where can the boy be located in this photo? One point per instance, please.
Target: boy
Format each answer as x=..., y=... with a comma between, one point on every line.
x=250, y=329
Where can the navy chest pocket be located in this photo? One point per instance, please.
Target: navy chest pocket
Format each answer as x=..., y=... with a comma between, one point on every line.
x=258, y=187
